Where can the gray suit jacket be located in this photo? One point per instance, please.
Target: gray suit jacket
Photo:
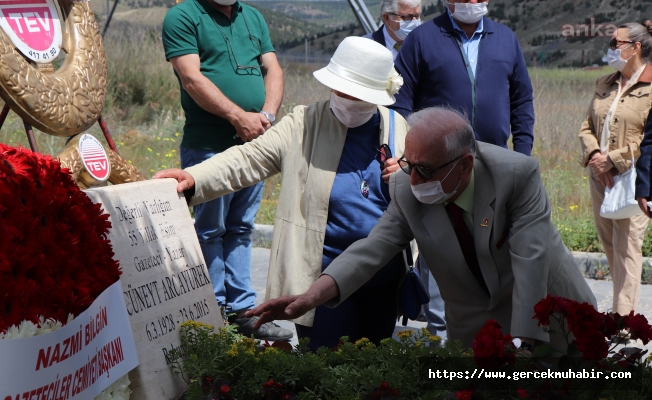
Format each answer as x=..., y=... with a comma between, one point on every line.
x=521, y=255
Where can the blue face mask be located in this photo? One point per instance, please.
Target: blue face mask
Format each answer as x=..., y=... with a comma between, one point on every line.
x=405, y=28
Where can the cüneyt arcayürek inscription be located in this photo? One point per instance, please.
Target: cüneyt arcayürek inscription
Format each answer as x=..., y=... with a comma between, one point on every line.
x=165, y=280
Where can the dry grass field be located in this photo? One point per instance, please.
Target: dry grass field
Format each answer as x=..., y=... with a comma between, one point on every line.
x=145, y=117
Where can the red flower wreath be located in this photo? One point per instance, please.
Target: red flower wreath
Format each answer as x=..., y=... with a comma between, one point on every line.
x=55, y=258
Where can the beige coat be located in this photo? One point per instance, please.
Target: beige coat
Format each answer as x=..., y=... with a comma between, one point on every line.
x=306, y=147
x=628, y=125
x=521, y=255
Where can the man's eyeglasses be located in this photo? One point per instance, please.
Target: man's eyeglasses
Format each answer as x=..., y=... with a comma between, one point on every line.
x=407, y=17
x=384, y=154
x=614, y=43
x=259, y=57
x=424, y=172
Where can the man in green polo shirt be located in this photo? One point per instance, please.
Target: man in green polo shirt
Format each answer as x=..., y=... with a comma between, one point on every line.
x=231, y=88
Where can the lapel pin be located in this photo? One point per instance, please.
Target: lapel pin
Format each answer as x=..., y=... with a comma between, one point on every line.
x=485, y=223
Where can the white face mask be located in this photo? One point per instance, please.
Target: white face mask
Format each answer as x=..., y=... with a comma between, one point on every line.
x=352, y=113
x=614, y=59
x=469, y=13
x=432, y=192
x=405, y=28
x=225, y=2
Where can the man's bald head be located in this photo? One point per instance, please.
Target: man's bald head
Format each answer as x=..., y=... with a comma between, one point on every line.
x=445, y=132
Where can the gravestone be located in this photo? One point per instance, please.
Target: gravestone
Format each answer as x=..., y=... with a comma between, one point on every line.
x=164, y=277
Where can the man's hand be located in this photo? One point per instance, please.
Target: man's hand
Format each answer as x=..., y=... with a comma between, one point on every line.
x=285, y=307
x=600, y=163
x=390, y=166
x=186, y=181
x=522, y=349
x=249, y=125
x=607, y=178
x=642, y=203
x=291, y=307
x=265, y=121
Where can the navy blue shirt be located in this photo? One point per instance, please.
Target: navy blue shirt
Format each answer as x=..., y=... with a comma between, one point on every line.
x=350, y=215
x=435, y=74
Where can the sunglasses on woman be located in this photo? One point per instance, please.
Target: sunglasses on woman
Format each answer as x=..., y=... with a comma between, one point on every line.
x=614, y=43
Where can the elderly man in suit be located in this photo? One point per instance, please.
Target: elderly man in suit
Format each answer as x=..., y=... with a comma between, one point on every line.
x=481, y=218
x=399, y=18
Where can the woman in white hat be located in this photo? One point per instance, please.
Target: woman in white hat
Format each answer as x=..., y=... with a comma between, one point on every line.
x=334, y=188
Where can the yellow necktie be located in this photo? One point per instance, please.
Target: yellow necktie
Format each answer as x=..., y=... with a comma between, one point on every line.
x=397, y=46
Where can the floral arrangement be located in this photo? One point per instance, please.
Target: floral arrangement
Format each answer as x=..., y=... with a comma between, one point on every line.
x=592, y=338
x=223, y=365
x=55, y=258
x=590, y=328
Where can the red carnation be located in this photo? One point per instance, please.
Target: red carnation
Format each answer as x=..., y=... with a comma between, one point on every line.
x=490, y=344
x=55, y=258
x=463, y=394
x=544, y=309
x=583, y=318
x=638, y=326
x=522, y=393
x=592, y=345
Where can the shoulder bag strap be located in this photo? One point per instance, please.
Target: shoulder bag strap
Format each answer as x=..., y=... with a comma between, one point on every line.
x=391, y=132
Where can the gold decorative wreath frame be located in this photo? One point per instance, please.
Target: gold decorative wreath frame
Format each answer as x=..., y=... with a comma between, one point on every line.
x=68, y=101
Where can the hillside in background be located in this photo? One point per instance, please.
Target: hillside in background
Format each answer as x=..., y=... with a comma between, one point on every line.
x=539, y=24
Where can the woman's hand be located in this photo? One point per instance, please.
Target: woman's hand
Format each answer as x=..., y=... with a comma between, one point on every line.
x=390, y=166
x=186, y=181
x=600, y=163
x=642, y=203
x=607, y=178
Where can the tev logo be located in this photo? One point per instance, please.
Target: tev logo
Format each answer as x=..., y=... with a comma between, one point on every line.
x=33, y=27
x=94, y=157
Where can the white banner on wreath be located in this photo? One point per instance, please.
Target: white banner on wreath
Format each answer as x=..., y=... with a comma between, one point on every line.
x=77, y=361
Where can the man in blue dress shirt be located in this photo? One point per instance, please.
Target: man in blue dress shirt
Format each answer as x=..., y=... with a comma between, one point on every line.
x=469, y=62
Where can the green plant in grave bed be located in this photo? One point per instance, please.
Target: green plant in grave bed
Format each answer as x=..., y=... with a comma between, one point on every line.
x=348, y=371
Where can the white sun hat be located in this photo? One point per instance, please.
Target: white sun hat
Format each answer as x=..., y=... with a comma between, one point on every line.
x=364, y=69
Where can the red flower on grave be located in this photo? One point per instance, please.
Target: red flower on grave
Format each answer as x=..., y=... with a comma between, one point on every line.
x=270, y=384
x=639, y=327
x=55, y=258
x=583, y=318
x=463, y=394
x=544, y=309
x=491, y=348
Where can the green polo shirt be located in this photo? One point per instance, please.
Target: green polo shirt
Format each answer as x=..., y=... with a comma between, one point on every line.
x=192, y=28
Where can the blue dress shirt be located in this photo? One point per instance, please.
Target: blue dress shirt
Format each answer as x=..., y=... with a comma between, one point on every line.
x=470, y=46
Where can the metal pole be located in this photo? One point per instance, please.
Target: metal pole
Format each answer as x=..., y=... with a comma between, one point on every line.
x=30, y=137
x=306, y=56
x=108, y=20
x=363, y=16
x=3, y=115
x=107, y=134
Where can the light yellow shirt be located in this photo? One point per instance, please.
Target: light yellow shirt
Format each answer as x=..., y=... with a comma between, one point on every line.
x=465, y=202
